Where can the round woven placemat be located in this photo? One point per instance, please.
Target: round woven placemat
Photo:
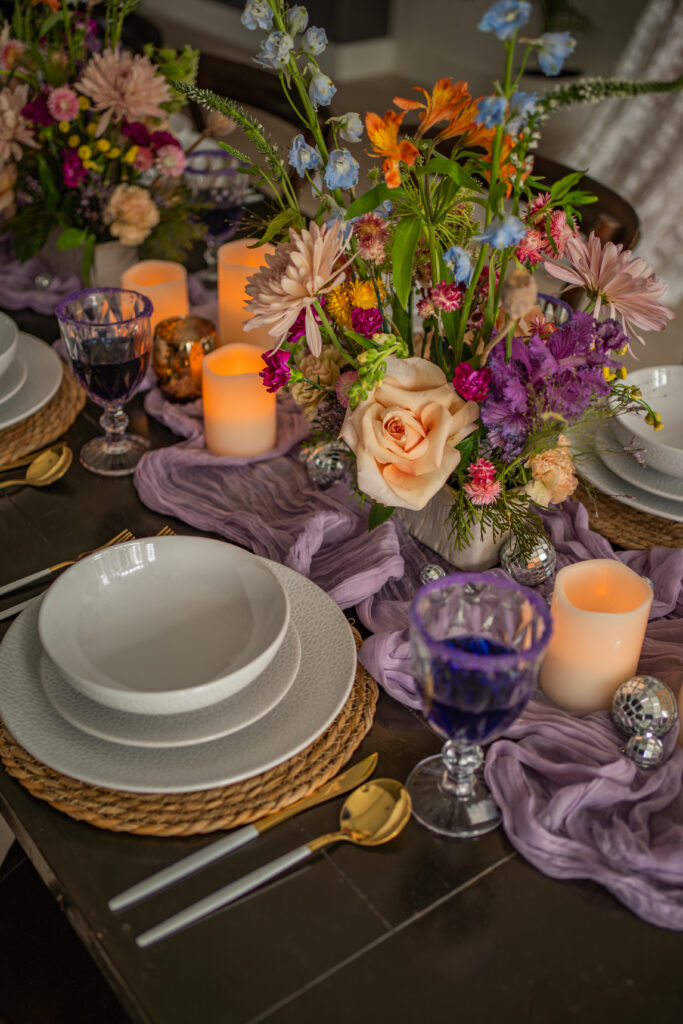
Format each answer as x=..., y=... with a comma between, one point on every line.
x=46, y=425
x=186, y=814
x=626, y=526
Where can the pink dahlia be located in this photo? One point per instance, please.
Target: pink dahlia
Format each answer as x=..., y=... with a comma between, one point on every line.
x=122, y=84
x=472, y=385
x=446, y=296
x=294, y=277
x=63, y=103
x=482, y=488
x=170, y=161
x=15, y=130
x=342, y=385
x=612, y=275
x=372, y=235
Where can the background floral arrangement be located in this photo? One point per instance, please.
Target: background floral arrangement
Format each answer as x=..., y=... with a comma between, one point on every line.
x=84, y=143
x=406, y=320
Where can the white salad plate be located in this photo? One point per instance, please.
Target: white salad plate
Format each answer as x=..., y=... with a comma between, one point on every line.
x=43, y=377
x=13, y=378
x=626, y=467
x=661, y=387
x=9, y=337
x=161, y=625
x=317, y=695
x=595, y=472
x=188, y=727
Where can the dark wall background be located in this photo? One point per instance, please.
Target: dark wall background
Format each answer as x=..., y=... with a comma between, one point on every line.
x=345, y=21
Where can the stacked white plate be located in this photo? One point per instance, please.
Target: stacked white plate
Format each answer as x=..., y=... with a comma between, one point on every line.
x=172, y=664
x=652, y=481
x=30, y=373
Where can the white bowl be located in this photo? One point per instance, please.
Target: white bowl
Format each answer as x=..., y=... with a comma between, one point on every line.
x=662, y=388
x=9, y=339
x=164, y=624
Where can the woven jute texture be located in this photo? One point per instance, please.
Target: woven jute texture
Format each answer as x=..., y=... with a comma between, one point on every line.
x=626, y=526
x=186, y=814
x=46, y=425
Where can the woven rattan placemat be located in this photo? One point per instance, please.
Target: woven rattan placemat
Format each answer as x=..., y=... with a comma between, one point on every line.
x=46, y=425
x=186, y=814
x=626, y=526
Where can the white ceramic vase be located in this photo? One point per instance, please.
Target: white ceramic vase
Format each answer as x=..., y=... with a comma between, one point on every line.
x=110, y=260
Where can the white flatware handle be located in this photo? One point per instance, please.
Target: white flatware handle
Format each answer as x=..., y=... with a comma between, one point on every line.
x=182, y=868
x=226, y=895
x=9, y=588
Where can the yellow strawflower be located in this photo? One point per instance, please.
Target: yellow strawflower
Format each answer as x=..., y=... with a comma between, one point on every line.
x=362, y=294
x=338, y=305
x=130, y=154
x=83, y=102
x=64, y=126
x=114, y=152
x=73, y=141
x=85, y=152
x=91, y=129
x=103, y=145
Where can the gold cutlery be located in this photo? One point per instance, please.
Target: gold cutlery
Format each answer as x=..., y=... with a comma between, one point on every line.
x=9, y=588
x=44, y=469
x=342, y=783
x=24, y=461
x=166, y=531
x=373, y=814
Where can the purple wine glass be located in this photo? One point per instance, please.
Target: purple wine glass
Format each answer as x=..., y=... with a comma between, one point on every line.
x=108, y=339
x=214, y=178
x=477, y=641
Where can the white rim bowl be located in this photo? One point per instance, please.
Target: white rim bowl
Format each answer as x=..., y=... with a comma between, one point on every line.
x=164, y=624
x=661, y=387
x=9, y=339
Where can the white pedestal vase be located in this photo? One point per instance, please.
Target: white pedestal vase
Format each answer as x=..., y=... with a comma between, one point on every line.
x=110, y=259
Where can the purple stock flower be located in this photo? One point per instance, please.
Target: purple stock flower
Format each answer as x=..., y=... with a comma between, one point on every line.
x=366, y=321
x=276, y=372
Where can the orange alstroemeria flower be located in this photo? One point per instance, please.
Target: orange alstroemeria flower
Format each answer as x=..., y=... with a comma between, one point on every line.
x=54, y=5
x=483, y=138
x=383, y=134
x=450, y=101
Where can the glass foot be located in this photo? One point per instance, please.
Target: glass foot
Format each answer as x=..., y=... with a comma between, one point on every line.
x=117, y=457
x=442, y=811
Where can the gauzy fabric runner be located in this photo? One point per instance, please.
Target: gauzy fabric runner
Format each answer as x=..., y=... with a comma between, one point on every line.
x=573, y=805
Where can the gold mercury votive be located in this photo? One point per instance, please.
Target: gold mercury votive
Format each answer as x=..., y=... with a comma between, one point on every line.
x=180, y=344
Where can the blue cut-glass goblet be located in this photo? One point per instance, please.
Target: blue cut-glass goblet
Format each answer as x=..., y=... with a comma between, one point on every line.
x=108, y=340
x=477, y=641
x=214, y=179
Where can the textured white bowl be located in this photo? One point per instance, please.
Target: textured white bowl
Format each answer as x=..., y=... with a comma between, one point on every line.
x=164, y=624
x=662, y=388
x=9, y=339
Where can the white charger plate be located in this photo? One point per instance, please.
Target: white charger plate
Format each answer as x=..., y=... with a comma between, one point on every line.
x=322, y=685
x=186, y=727
x=13, y=378
x=43, y=377
x=626, y=467
x=597, y=474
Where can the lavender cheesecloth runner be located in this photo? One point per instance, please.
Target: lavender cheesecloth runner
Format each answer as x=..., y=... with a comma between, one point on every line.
x=573, y=805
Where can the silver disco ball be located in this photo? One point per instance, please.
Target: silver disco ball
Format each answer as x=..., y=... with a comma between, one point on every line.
x=535, y=567
x=644, y=704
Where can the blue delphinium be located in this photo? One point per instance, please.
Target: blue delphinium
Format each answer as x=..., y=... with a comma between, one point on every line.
x=275, y=51
x=503, y=232
x=458, y=262
x=321, y=88
x=491, y=111
x=351, y=127
x=385, y=209
x=303, y=157
x=297, y=20
x=553, y=49
x=522, y=106
x=341, y=170
x=257, y=14
x=505, y=17
x=314, y=41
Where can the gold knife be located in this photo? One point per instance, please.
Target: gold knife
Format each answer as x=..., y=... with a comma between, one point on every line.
x=342, y=783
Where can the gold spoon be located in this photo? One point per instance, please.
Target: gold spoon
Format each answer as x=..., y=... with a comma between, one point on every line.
x=373, y=814
x=44, y=469
x=25, y=459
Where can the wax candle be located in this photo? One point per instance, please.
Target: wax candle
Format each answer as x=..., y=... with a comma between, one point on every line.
x=600, y=609
x=162, y=281
x=237, y=261
x=239, y=414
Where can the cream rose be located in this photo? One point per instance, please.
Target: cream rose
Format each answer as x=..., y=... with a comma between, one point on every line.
x=404, y=434
x=131, y=214
x=553, y=474
x=324, y=369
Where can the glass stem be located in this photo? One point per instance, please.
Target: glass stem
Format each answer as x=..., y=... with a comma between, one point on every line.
x=461, y=761
x=114, y=423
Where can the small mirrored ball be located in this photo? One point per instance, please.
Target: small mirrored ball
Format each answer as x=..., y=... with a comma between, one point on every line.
x=644, y=704
x=532, y=568
x=645, y=749
x=431, y=572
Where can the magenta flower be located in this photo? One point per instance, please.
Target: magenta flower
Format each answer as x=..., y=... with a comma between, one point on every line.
x=63, y=104
x=482, y=488
x=298, y=328
x=73, y=170
x=276, y=372
x=472, y=385
x=447, y=296
x=136, y=132
x=366, y=321
x=36, y=111
x=159, y=139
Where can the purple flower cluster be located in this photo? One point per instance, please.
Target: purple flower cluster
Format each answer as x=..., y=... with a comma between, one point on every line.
x=366, y=321
x=36, y=111
x=276, y=372
x=561, y=375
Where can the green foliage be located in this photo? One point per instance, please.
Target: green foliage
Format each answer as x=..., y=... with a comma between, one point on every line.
x=379, y=514
x=175, y=66
x=174, y=236
x=406, y=237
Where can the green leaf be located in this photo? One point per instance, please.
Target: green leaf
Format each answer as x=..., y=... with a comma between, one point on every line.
x=277, y=224
x=405, y=240
x=371, y=199
x=561, y=187
x=50, y=23
x=442, y=165
x=71, y=238
x=379, y=514
x=402, y=321
x=579, y=198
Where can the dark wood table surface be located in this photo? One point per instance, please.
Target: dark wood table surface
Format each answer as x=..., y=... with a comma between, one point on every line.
x=420, y=930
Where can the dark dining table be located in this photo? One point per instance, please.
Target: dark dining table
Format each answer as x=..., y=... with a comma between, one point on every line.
x=422, y=929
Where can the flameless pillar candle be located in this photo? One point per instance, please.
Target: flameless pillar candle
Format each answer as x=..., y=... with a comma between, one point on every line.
x=599, y=609
x=239, y=414
x=236, y=262
x=162, y=281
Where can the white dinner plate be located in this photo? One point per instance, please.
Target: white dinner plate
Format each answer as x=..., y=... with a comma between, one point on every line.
x=43, y=377
x=322, y=685
x=187, y=727
x=13, y=378
x=597, y=474
x=626, y=467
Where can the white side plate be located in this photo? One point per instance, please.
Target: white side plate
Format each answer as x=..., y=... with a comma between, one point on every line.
x=42, y=380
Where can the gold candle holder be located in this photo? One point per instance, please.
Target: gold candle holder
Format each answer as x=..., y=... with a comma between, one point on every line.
x=180, y=344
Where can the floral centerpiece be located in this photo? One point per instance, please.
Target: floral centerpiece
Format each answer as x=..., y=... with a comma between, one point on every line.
x=405, y=317
x=85, y=148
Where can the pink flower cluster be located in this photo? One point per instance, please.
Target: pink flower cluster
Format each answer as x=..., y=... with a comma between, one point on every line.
x=544, y=240
x=372, y=235
x=482, y=488
x=472, y=385
x=366, y=321
x=160, y=150
x=444, y=295
x=276, y=372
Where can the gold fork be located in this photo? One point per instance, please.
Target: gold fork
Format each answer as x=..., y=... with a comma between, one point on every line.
x=9, y=588
x=166, y=531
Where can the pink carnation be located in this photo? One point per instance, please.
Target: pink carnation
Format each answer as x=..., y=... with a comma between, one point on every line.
x=561, y=230
x=144, y=159
x=425, y=308
x=533, y=248
x=472, y=385
x=446, y=296
x=366, y=321
x=538, y=207
x=372, y=235
x=63, y=103
x=170, y=161
x=276, y=372
x=482, y=488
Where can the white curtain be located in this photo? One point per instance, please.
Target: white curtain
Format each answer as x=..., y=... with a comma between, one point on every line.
x=635, y=146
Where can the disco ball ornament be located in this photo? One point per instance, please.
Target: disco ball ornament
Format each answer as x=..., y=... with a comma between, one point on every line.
x=644, y=704
x=326, y=462
x=431, y=572
x=533, y=568
x=645, y=749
